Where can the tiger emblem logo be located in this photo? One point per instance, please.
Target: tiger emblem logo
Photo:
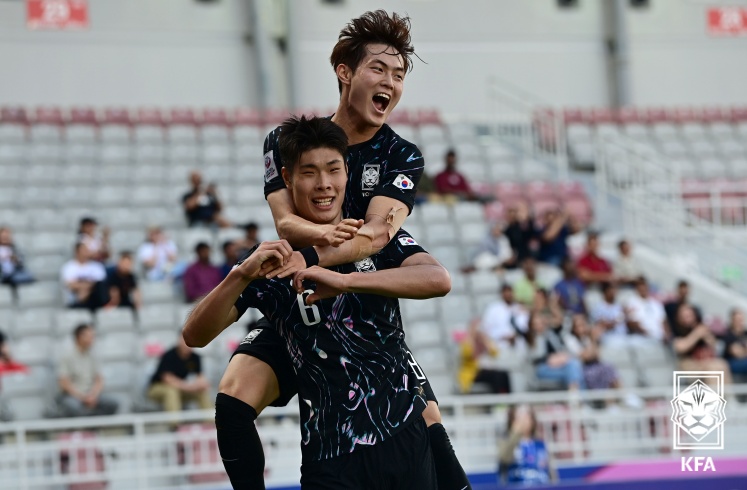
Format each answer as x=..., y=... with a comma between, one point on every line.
x=370, y=176
x=698, y=410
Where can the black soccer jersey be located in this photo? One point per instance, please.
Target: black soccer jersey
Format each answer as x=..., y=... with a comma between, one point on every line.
x=385, y=165
x=358, y=384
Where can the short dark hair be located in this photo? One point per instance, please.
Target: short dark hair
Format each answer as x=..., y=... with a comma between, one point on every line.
x=125, y=254
x=299, y=135
x=451, y=152
x=607, y=285
x=376, y=27
x=227, y=244
x=250, y=226
x=201, y=246
x=80, y=329
x=683, y=283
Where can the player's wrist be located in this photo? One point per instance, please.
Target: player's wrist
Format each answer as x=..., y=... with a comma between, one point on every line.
x=309, y=255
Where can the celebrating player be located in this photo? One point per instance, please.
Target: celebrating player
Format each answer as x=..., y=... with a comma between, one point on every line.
x=358, y=384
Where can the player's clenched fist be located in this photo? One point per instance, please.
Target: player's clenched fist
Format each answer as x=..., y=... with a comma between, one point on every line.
x=346, y=229
x=269, y=255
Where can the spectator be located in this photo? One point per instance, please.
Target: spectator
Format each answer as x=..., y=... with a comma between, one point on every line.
x=550, y=356
x=231, y=256
x=645, y=314
x=694, y=344
x=592, y=268
x=521, y=234
x=472, y=348
x=179, y=379
x=626, y=268
x=157, y=255
x=201, y=204
x=426, y=190
x=80, y=379
x=526, y=287
x=450, y=182
x=583, y=343
x=12, y=271
x=523, y=457
x=201, y=277
x=7, y=363
x=97, y=242
x=682, y=297
x=735, y=343
x=84, y=280
x=123, y=290
x=553, y=248
x=608, y=315
x=251, y=238
x=548, y=307
x=492, y=252
x=505, y=322
x=570, y=290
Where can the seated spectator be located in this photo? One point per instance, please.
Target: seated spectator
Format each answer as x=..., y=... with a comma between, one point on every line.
x=547, y=306
x=449, y=182
x=682, y=297
x=524, y=459
x=201, y=277
x=608, y=315
x=735, y=343
x=12, y=271
x=592, y=268
x=583, y=343
x=80, y=379
x=231, y=256
x=521, y=234
x=551, y=358
x=694, y=344
x=158, y=255
x=626, y=268
x=7, y=363
x=553, y=248
x=570, y=290
x=492, y=252
x=123, y=290
x=251, y=238
x=472, y=348
x=645, y=314
x=201, y=204
x=97, y=242
x=179, y=379
x=426, y=190
x=505, y=322
x=526, y=287
x=84, y=280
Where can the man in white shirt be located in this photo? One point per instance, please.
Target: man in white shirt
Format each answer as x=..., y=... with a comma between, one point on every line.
x=646, y=316
x=505, y=322
x=84, y=280
x=609, y=315
x=157, y=255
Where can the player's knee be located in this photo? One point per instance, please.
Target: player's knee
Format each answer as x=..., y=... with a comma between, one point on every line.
x=431, y=414
x=251, y=381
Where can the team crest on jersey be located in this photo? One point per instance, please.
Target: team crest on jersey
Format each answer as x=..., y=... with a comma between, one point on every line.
x=370, y=176
x=270, y=170
x=365, y=265
x=403, y=182
x=406, y=240
x=251, y=336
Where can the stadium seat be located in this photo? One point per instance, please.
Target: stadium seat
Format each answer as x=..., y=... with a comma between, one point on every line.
x=115, y=126
x=116, y=346
x=454, y=312
x=423, y=334
x=33, y=350
x=182, y=153
x=150, y=153
x=27, y=407
x=67, y=319
x=156, y=292
x=34, y=321
x=472, y=234
x=157, y=317
x=449, y=256
x=417, y=310
x=114, y=319
x=38, y=294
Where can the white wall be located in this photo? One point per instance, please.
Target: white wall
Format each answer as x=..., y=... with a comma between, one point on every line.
x=136, y=52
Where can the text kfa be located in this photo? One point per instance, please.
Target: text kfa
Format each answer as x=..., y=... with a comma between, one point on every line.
x=698, y=463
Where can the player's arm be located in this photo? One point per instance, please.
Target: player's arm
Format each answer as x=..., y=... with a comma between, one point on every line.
x=217, y=310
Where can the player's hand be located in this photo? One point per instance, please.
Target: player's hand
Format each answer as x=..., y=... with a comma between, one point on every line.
x=296, y=262
x=328, y=283
x=269, y=255
x=342, y=231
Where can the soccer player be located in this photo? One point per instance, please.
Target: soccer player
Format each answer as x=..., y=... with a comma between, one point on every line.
x=357, y=382
x=371, y=59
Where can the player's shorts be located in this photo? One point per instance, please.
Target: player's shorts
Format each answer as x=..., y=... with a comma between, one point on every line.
x=426, y=385
x=266, y=344
x=403, y=462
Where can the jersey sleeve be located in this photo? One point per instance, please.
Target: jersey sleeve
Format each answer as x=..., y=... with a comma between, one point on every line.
x=272, y=163
x=251, y=297
x=399, y=248
x=401, y=174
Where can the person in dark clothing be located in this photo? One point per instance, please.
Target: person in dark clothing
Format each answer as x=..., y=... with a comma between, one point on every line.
x=201, y=204
x=735, y=343
x=179, y=379
x=230, y=254
x=683, y=297
x=123, y=290
x=521, y=234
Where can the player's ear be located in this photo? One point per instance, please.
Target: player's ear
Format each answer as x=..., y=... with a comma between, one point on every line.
x=286, y=176
x=344, y=74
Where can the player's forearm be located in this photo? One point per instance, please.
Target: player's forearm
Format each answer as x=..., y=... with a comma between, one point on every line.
x=299, y=232
x=214, y=312
x=415, y=282
x=371, y=238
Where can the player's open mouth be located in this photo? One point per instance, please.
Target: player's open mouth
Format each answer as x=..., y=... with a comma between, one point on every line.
x=381, y=102
x=323, y=203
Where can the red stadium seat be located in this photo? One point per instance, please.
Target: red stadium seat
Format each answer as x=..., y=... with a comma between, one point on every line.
x=13, y=115
x=400, y=116
x=738, y=114
x=246, y=116
x=509, y=192
x=182, y=117
x=657, y=115
x=83, y=115
x=600, y=115
x=681, y=115
x=116, y=115
x=428, y=116
x=197, y=447
x=627, y=115
x=48, y=115
x=713, y=114
x=217, y=117
x=542, y=206
x=575, y=116
x=150, y=117
x=495, y=212
x=273, y=117
x=695, y=189
x=541, y=190
x=580, y=209
x=570, y=188
x=82, y=458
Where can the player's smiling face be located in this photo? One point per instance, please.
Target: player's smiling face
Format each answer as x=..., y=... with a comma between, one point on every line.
x=377, y=84
x=317, y=185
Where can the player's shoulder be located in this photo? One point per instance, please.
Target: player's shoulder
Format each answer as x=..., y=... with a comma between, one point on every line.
x=397, y=142
x=403, y=242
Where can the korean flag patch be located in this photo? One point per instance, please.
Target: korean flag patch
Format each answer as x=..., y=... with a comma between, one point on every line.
x=406, y=240
x=271, y=170
x=403, y=182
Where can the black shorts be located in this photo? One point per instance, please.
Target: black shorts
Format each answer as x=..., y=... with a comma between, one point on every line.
x=266, y=344
x=403, y=462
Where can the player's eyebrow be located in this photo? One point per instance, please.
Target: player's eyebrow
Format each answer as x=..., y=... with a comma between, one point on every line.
x=396, y=68
x=335, y=161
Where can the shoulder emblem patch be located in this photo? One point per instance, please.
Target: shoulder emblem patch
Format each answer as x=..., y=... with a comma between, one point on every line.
x=270, y=170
